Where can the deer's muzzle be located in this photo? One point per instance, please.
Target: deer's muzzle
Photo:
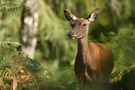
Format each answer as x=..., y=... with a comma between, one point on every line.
x=71, y=34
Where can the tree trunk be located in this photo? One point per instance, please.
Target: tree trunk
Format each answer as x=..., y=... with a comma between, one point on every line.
x=29, y=27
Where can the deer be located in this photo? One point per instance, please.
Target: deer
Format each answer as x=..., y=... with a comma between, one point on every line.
x=94, y=61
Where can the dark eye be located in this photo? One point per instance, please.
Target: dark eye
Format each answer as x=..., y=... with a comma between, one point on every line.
x=84, y=24
x=72, y=24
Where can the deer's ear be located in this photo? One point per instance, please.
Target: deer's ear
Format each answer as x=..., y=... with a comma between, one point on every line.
x=93, y=15
x=69, y=16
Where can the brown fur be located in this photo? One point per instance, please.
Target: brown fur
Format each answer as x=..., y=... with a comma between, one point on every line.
x=94, y=61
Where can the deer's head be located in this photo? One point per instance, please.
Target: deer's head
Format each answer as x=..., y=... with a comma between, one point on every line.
x=80, y=25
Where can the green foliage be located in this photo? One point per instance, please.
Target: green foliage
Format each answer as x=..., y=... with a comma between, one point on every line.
x=14, y=64
x=52, y=36
x=123, y=46
x=11, y=6
x=55, y=53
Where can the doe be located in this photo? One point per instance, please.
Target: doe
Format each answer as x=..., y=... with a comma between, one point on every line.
x=94, y=61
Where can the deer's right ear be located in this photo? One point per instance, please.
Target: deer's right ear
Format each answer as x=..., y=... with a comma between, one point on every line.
x=69, y=16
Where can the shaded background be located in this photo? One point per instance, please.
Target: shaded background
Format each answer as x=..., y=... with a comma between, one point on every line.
x=53, y=64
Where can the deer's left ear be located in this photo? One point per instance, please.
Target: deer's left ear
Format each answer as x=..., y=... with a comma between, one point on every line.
x=93, y=15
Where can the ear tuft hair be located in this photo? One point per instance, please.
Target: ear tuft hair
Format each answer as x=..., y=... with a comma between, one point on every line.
x=93, y=15
x=69, y=16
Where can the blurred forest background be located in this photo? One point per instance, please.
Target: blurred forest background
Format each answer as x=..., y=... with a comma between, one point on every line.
x=39, y=30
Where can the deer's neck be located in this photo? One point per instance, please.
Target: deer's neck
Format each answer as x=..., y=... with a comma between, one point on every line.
x=83, y=48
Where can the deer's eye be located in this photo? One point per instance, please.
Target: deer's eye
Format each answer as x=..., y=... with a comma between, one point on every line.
x=84, y=24
x=72, y=24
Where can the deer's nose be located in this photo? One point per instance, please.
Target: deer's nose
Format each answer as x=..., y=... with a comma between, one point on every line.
x=70, y=34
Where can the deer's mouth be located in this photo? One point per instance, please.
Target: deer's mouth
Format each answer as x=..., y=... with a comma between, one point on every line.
x=72, y=35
